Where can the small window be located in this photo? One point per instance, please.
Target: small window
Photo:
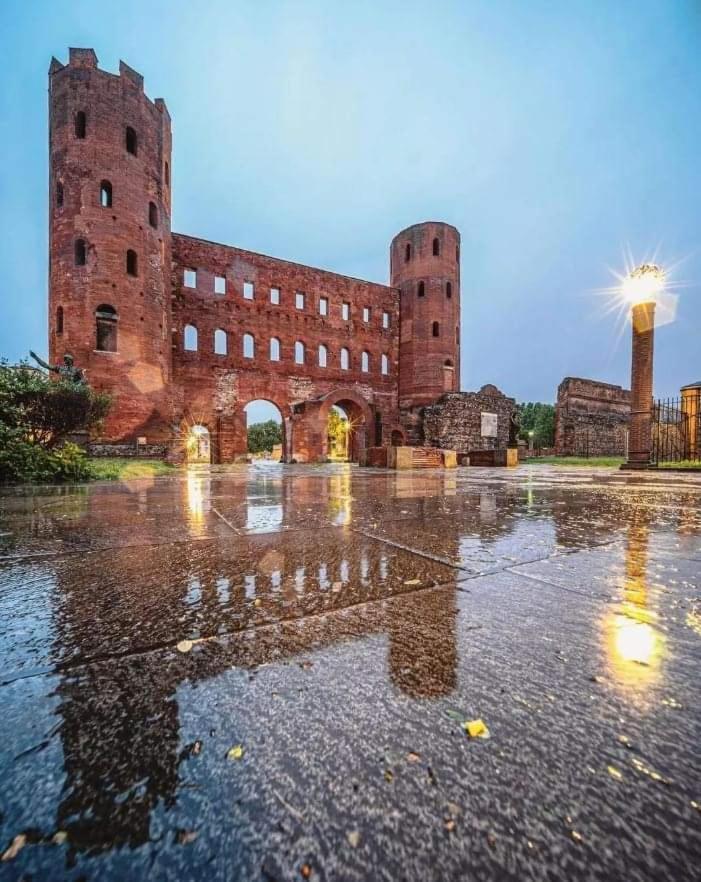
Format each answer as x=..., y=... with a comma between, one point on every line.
x=274, y=349
x=323, y=355
x=385, y=320
x=190, y=278
x=299, y=352
x=106, y=194
x=190, y=338
x=132, y=263
x=106, y=328
x=130, y=140
x=220, y=347
x=81, y=252
x=422, y=289
x=365, y=362
x=323, y=306
x=345, y=312
x=248, y=291
x=345, y=359
x=299, y=300
x=275, y=296
x=249, y=346
x=59, y=320
x=366, y=314
x=385, y=364
x=59, y=194
x=436, y=247
x=167, y=174
x=407, y=253
x=448, y=290
x=220, y=284
x=436, y=329
x=448, y=363
x=153, y=214
x=81, y=124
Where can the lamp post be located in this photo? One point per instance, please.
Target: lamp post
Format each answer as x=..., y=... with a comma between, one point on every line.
x=640, y=288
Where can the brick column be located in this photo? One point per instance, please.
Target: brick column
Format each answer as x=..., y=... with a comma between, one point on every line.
x=640, y=437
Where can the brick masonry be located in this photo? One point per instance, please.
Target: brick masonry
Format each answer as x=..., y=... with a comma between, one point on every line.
x=401, y=340
x=454, y=422
x=591, y=418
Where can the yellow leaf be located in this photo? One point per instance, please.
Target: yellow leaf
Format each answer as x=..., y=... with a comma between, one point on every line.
x=184, y=646
x=235, y=753
x=476, y=728
x=614, y=773
x=412, y=581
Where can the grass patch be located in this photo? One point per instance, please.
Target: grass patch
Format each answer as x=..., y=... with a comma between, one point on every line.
x=117, y=468
x=592, y=461
x=683, y=464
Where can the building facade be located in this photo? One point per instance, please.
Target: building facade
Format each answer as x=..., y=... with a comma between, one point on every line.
x=591, y=418
x=185, y=333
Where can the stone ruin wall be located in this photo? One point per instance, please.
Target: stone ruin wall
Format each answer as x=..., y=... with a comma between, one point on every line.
x=454, y=422
x=591, y=418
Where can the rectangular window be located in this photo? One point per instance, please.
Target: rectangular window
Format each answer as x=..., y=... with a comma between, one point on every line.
x=248, y=290
x=275, y=296
x=385, y=319
x=323, y=306
x=366, y=314
x=190, y=278
x=299, y=300
x=345, y=311
x=219, y=285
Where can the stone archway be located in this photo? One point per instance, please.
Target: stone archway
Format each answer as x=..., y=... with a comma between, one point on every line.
x=359, y=414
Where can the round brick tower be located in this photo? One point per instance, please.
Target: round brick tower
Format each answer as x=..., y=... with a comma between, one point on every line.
x=109, y=240
x=425, y=266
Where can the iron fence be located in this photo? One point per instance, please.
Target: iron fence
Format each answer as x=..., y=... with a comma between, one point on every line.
x=676, y=429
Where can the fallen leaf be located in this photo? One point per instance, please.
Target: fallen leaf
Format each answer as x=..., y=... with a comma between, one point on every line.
x=449, y=824
x=59, y=837
x=196, y=748
x=235, y=753
x=185, y=837
x=353, y=837
x=184, y=646
x=476, y=728
x=305, y=870
x=412, y=581
x=412, y=757
x=305, y=665
x=576, y=836
x=614, y=773
x=15, y=847
x=257, y=601
x=389, y=776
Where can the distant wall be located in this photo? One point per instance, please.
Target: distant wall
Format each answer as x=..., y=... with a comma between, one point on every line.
x=591, y=418
x=454, y=422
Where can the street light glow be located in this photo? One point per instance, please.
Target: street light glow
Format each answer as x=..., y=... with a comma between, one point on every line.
x=643, y=284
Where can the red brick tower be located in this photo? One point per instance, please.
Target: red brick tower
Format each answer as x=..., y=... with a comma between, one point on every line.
x=109, y=240
x=425, y=266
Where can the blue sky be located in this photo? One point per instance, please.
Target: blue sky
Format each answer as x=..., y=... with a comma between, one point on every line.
x=554, y=135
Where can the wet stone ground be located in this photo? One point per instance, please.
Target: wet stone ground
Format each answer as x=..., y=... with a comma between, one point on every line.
x=262, y=673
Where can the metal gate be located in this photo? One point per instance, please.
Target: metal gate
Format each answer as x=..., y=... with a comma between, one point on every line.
x=676, y=428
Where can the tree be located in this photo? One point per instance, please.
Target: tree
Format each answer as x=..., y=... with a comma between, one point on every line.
x=538, y=418
x=264, y=436
x=37, y=415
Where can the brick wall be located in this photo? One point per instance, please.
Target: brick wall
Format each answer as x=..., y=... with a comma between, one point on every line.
x=591, y=418
x=454, y=422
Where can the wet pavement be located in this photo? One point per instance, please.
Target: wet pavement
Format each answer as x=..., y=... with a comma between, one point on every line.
x=263, y=672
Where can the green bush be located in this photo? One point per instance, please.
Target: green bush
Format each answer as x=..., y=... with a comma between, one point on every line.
x=36, y=416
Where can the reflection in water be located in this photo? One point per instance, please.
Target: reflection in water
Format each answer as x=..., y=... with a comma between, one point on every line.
x=198, y=495
x=635, y=644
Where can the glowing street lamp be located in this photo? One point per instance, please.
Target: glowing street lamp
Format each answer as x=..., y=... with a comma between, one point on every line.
x=641, y=288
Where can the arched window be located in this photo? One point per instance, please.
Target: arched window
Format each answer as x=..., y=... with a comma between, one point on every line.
x=81, y=252
x=190, y=338
x=365, y=362
x=81, y=124
x=436, y=329
x=422, y=289
x=299, y=352
x=219, y=342
x=167, y=174
x=59, y=319
x=106, y=194
x=385, y=364
x=436, y=247
x=130, y=140
x=345, y=359
x=274, y=349
x=59, y=194
x=448, y=290
x=407, y=253
x=106, y=328
x=323, y=353
x=132, y=263
x=152, y=214
x=249, y=346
